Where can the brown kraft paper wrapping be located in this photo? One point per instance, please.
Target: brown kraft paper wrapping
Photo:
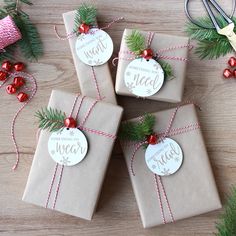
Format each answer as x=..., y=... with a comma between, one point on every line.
x=191, y=190
x=81, y=184
x=85, y=73
x=172, y=90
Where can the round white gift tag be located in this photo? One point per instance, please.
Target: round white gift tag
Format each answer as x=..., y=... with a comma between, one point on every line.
x=94, y=48
x=164, y=158
x=68, y=146
x=144, y=77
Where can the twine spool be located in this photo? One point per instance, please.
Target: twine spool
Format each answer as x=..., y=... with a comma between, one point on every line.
x=9, y=33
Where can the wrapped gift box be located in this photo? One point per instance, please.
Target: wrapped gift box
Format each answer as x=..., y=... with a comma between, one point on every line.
x=191, y=190
x=172, y=90
x=85, y=73
x=80, y=184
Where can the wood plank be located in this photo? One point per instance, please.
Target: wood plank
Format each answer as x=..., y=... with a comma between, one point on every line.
x=117, y=210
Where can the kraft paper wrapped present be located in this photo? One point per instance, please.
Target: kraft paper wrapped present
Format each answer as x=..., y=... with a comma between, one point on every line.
x=103, y=86
x=188, y=192
x=171, y=90
x=79, y=185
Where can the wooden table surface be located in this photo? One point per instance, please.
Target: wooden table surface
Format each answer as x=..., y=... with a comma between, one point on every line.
x=117, y=212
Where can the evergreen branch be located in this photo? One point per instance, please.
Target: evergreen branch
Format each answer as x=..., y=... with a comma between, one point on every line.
x=135, y=42
x=8, y=54
x=227, y=224
x=21, y=1
x=168, y=72
x=3, y=13
x=30, y=44
x=50, y=119
x=27, y=2
x=85, y=14
x=137, y=131
x=211, y=45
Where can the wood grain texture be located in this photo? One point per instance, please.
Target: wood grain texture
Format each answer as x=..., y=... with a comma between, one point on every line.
x=117, y=212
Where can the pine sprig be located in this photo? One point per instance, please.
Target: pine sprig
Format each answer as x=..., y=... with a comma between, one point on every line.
x=8, y=54
x=135, y=42
x=211, y=45
x=50, y=119
x=168, y=72
x=85, y=14
x=227, y=224
x=30, y=44
x=137, y=131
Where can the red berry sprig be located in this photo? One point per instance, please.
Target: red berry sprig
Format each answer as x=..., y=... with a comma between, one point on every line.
x=147, y=54
x=152, y=139
x=84, y=28
x=70, y=122
x=228, y=73
x=6, y=69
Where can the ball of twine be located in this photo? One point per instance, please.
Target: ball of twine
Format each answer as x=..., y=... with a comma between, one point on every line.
x=9, y=33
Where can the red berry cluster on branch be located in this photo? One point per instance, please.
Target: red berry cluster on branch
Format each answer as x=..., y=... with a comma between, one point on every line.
x=84, y=28
x=7, y=69
x=228, y=73
x=147, y=54
x=152, y=139
x=70, y=122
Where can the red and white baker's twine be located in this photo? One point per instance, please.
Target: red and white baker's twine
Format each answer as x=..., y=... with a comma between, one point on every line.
x=74, y=33
x=33, y=90
x=9, y=33
x=81, y=127
x=129, y=56
x=96, y=83
x=169, y=132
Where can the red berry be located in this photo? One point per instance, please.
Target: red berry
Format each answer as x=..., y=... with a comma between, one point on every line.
x=84, y=28
x=11, y=89
x=19, y=66
x=6, y=65
x=3, y=75
x=147, y=54
x=70, y=122
x=227, y=73
x=22, y=97
x=18, y=81
x=232, y=61
x=234, y=73
x=152, y=139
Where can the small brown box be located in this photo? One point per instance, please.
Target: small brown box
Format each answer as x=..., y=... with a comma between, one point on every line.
x=85, y=72
x=191, y=190
x=172, y=90
x=80, y=184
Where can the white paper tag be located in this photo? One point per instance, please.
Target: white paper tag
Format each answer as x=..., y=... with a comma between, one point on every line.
x=68, y=146
x=164, y=158
x=94, y=48
x=144, y=77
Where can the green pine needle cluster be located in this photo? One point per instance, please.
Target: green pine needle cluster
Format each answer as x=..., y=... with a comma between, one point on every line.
x=137, y=131
x=211, y=45
x=30, y=45
x=227, y=223
x=168, y=72
x=50, y=119
x=85, y=14
x=136, y=42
